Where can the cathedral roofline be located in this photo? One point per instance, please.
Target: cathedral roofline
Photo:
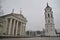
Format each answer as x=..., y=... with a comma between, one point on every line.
x=15, y=15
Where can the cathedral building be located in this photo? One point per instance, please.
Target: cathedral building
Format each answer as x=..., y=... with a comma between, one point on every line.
x=49, y=22
x=12, y=24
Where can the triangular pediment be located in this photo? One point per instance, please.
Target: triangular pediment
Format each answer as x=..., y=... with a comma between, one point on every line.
x=19, y=16
x=15, y=15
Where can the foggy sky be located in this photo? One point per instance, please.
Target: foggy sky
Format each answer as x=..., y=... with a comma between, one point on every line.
x=33, y=10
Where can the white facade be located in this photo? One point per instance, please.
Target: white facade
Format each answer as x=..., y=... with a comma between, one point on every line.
x=49, y=22
x=12, y=24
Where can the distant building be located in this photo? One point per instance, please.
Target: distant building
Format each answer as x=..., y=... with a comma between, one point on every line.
x=49, y=22
x=35, y=33
x=30, y=33
x=58, y=32
x=12, y=24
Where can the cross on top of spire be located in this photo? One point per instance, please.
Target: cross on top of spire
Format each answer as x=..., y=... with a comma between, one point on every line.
x=47, y=5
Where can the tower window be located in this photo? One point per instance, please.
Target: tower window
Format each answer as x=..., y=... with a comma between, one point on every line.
x=48, y=15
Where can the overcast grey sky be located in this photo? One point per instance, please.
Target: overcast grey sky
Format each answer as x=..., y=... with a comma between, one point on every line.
x=33, y=10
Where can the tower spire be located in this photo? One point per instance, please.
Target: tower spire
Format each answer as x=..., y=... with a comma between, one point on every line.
x=47, y=4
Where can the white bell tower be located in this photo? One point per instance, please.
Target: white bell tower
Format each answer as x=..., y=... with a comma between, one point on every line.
x=49, y=22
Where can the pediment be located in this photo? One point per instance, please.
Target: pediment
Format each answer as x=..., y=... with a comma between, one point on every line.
x=18, y=16
x=14, y=15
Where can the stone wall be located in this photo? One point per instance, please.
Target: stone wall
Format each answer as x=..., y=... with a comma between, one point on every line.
x=32, y=38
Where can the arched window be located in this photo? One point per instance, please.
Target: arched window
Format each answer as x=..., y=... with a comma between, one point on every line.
x=48, y=15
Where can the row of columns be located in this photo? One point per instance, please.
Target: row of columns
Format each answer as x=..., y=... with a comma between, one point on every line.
x=15, y=27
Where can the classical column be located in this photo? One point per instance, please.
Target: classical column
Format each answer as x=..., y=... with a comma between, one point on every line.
x=24, y=28
x=18, y=32
x=17, y=28
x=13, y=27
x=7, y=25
x=21, y=29
x=10, y=24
